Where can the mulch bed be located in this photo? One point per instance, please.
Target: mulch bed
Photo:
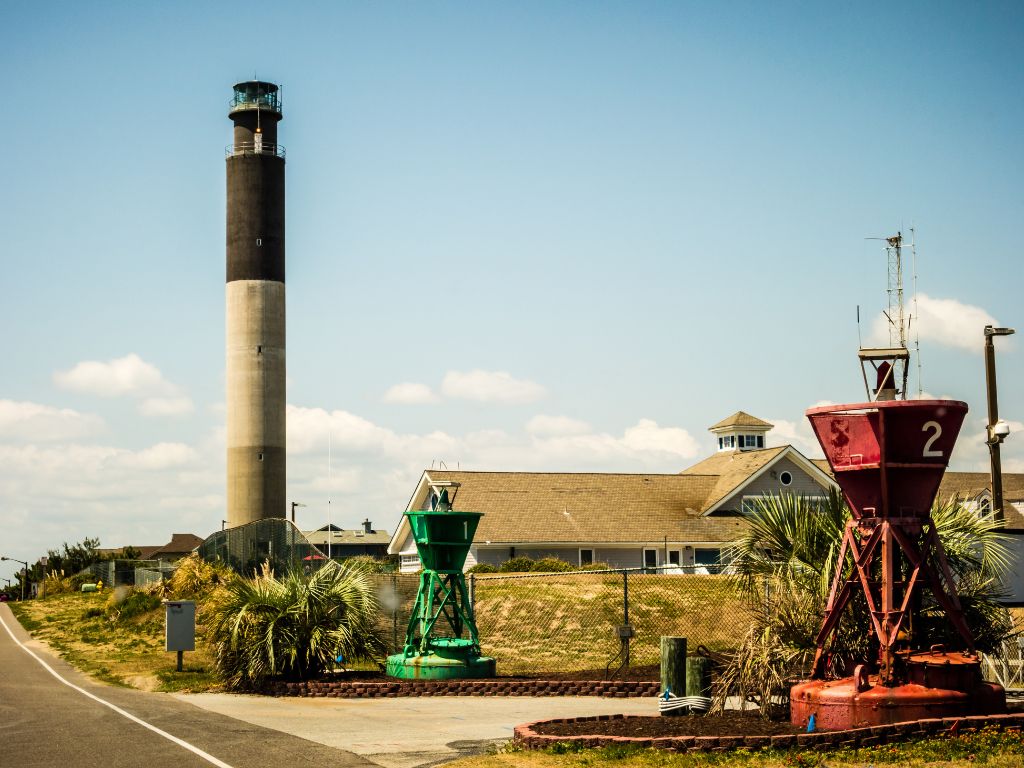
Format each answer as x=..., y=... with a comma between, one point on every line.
x=647, y=673
x=726, y=724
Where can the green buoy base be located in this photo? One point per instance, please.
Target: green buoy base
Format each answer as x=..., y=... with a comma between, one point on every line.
x=447, y=659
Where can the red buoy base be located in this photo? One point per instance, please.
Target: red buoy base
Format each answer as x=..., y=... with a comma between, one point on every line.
x=839, y=705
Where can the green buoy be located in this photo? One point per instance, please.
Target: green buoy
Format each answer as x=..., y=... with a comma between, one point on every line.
x=441, y=641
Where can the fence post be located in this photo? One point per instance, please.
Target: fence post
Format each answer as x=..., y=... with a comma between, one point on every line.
x=472, y=592
x=625, y=612
x=395, y=603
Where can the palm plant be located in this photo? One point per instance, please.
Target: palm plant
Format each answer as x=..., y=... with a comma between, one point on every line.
x=294, y=626
x=785, y=562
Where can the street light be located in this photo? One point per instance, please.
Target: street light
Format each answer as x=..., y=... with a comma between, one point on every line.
x=24, y=578
x=294, y=505
x=997, y=430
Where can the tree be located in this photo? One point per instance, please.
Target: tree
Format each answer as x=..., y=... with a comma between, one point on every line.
x=74, y=557
x=785, y=562
x=294, y=626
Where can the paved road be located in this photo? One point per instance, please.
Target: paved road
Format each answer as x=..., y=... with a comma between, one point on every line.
x=45, y=723
x=410, y=732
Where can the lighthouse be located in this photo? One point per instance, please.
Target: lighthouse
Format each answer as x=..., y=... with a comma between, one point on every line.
x=255, y=367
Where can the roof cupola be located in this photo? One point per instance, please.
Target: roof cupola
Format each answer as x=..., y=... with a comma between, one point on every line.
x=740, y=432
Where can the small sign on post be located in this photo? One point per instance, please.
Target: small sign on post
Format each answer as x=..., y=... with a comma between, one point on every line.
x=180, y=627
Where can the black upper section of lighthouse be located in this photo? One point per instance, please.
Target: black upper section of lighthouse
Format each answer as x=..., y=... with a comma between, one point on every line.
x=255, y=171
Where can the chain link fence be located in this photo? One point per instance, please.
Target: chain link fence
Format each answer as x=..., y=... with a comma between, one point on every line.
x=598, y=621
x=118, y=573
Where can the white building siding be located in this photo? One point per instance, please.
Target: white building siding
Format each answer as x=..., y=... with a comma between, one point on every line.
x=802, y=485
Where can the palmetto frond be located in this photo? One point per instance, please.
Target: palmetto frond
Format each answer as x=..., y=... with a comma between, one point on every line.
x=294, y=626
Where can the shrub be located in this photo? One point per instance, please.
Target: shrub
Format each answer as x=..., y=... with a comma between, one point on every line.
x=552, y=565
x=528, y=565
x=482, y=568
x=294, y=626
x=128, y=602
x=194, y=577
x=372, y=564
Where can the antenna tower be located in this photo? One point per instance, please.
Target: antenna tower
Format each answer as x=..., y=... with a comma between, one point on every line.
x=897, y=319
x=891, y=364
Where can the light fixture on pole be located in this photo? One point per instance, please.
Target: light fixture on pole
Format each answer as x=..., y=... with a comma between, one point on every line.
x=997, y=430
x=24, y=578
x=294, y=505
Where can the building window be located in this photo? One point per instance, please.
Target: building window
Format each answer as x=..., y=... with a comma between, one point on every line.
x=786, y=478
x=674, y=557
x=760, y=441
x=707, y=557
x=720, y=446
x=586, y=556
x=650, y=558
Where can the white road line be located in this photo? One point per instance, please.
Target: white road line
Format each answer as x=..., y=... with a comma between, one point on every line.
x=195, y=750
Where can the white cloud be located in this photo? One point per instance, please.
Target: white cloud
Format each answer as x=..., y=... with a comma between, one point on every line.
x=126, y=376
x=556, y=425
x=159, y=456
x=315, y=430
x=947, y=322
x=490, y=387
x=648, y=436
x=410, y=393
x=166, y=406
x=33, y=422
x=797, y=433
x=971, y=452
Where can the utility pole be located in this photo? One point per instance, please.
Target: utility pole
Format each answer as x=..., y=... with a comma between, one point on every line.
x=997, y=430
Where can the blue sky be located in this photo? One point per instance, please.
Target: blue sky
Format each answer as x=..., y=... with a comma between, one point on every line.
x=558, y=236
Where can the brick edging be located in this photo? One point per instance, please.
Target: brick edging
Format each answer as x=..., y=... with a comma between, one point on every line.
x=526, y=737
x=360, y=689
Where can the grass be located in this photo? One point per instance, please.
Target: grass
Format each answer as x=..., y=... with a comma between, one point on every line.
x=987, y=747
x=567, y=621
x=128, y=652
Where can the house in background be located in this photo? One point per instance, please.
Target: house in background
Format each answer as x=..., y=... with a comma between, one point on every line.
x=624, y=520
x=344, y=543
x=975, y=489
x=181, y=545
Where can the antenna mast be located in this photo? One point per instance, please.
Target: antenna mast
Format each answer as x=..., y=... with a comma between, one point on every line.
x=897, y=320
x=891, y=364
x=917, y=314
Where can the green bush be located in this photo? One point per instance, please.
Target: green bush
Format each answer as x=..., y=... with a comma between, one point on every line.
x=372, y=564
x=552, y=565
x=128, y=602
x=294, y=626
x=195, y=577
x=529, y=565
x=482, y=568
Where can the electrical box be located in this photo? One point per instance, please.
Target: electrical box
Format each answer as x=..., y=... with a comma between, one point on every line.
x=180, y=625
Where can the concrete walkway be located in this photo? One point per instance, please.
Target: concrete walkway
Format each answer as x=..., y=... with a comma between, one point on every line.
x=408, y=732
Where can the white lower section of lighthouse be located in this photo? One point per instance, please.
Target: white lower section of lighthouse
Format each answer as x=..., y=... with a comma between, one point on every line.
x=255, y=401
